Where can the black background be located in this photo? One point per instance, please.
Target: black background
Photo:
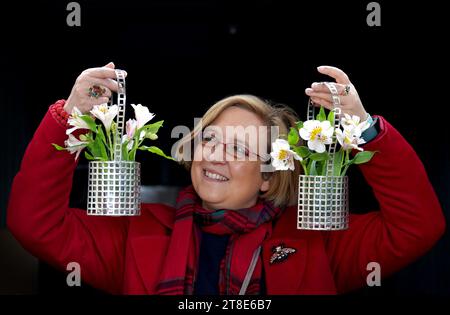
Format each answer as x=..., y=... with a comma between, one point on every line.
x=182, y=56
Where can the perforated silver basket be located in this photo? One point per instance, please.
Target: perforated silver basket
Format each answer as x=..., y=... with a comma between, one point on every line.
x=323, y=200
x=114, y=186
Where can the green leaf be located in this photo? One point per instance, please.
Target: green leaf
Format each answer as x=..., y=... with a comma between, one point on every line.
x=363, y=157
x=101, y=134
x=330, y=118
x=293, y=136
x=321, y=169
x=87, y=137
x=312, y=168
x=299, y=125
x=321, y=115
x=153, y=128
x=102, y=148
x=90, y=122
x=156, y=150
x=88, y=156
x=125, y=155
x=302, y=151
x=319, y=156
x=93, y=149
x=57, y=147
x=98, y=150
x=337, y=163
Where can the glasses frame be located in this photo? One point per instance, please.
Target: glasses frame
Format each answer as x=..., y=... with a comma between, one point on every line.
x=226, y=145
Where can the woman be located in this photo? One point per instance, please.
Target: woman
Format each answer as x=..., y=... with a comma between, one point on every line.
x=210, y=244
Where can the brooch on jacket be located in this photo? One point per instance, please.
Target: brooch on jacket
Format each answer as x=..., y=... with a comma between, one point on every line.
x=281, y=253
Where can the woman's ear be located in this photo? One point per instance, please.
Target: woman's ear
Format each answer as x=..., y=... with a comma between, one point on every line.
x=265, y=186
x=266, y=182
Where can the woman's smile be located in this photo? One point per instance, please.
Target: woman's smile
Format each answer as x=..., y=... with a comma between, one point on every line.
x=214, y=176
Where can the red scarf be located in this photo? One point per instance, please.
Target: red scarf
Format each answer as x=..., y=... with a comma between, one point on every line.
x=247, y=228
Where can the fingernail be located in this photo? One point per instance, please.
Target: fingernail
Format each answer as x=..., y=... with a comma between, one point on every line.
x=315, y=84
x=321, y=68
x=309, y=91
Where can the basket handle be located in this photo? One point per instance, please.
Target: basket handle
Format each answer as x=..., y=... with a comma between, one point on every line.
x=336, y=121
x=121, y=103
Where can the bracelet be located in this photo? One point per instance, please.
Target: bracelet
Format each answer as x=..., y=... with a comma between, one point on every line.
x=59, y=114
x=369, y=119
x=371, y=132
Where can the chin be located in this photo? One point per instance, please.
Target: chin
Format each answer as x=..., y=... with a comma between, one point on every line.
x=209, y=194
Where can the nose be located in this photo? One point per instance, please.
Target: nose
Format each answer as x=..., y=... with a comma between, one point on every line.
x=215, y=154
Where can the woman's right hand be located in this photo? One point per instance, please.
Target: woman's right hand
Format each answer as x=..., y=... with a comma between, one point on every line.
x=103, y=77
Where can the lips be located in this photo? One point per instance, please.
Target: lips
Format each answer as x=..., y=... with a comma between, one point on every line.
x=210, y=174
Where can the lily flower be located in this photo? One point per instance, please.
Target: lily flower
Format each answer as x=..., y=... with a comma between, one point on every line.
x=354, y=124
x=317, y=133
x=106, y=114
x=76, y=121
x=282, y=156
x=131, y=127
x=349, y=140
x=74, y=145
x=130, y=142
x=142, y=114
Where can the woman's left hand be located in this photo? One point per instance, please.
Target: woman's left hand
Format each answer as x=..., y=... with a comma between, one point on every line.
x=320, y=95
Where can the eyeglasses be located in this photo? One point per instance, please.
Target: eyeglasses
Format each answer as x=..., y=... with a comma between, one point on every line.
x=235, y=150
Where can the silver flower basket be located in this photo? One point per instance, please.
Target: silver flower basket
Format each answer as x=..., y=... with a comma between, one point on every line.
x=114, y=186
x=323, y=200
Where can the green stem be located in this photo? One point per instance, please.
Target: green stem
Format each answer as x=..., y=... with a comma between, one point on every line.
x=111, y=148
x=136, y=144
x=304, y=167
x=347, y=158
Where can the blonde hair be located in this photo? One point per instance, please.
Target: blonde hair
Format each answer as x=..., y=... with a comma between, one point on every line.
x=283, y=184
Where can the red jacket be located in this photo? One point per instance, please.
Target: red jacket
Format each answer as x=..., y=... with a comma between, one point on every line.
x=126, y=254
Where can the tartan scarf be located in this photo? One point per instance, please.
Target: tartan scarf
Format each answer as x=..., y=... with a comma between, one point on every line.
x=247, y=229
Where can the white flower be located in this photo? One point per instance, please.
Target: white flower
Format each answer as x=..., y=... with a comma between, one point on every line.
x=76, y=121
x=131, y=127
x=75, y=145
x=142, y=135
x=106, y=114
x=142, y=114
x=353, y=124
x=129, y=144
x=349, y=140
x=318, y=133
x=282, y=156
